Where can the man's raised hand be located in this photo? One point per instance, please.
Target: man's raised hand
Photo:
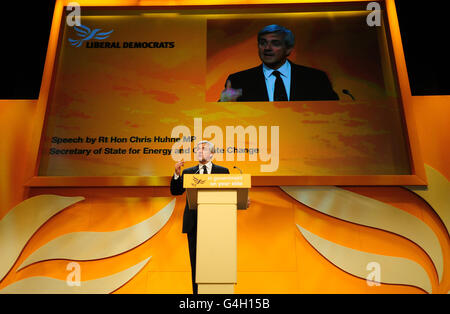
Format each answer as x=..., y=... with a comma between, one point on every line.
x=229, y=93
x=178, y=166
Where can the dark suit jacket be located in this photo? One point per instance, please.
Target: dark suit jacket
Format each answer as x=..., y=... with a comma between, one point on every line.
x=306, y=84
x=176, y=188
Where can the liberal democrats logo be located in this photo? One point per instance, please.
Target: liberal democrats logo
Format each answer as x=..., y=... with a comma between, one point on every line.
x=86, y=34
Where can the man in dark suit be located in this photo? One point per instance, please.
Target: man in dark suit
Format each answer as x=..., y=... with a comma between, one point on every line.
x=205, y=153
x=277, y=78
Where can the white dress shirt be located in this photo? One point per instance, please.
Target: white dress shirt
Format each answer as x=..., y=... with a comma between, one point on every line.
x=208, y=169
x=285, y=71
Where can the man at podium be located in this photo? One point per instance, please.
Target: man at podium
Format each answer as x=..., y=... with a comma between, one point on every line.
x=205, y=152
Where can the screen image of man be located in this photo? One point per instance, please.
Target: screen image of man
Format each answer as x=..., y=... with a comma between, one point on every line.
x=277, y=78
x=205, y=152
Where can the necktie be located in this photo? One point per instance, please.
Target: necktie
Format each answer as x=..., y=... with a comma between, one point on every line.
x=279, y=93
x=205, y=170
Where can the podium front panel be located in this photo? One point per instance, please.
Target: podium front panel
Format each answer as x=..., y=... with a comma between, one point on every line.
x=216, y=241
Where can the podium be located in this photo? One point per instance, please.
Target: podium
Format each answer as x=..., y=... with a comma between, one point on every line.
x=216, y=197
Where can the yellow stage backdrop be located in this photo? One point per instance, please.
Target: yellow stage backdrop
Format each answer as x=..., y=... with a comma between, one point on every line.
x=291, y=239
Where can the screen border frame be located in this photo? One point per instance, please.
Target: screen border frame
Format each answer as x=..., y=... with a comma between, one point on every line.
x=393, y=35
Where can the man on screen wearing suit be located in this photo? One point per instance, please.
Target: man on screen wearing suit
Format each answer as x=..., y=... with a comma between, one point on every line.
x=277, y=78
x=205, y=152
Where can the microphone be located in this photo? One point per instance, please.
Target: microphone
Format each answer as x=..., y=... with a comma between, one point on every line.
x=238, y=169
x=346, y=92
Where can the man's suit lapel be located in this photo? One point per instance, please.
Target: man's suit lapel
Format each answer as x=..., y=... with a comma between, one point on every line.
x=260, y=85
x=194, y=170
x=293, y=95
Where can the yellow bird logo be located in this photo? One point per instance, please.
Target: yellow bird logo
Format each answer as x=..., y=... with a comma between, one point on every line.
x=197, y=181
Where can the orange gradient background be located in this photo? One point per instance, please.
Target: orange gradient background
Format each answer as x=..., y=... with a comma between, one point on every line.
x=273, y=257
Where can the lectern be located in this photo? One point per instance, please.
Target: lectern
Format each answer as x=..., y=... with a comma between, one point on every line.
x=217, y=197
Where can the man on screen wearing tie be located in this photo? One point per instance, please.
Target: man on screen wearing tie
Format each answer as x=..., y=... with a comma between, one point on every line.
x=205, y=152
x=277, y=78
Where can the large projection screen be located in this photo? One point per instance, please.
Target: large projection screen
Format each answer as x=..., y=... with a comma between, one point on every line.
x=133, y=89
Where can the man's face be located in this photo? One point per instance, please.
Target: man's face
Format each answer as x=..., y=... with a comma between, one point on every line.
x=272, y=50
x=204, y=153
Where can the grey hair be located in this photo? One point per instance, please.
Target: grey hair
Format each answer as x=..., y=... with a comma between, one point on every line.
x=211, y=145
x=289, y=39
